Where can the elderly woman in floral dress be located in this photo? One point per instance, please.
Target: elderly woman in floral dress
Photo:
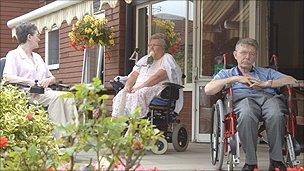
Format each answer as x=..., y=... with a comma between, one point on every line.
x=145, y=80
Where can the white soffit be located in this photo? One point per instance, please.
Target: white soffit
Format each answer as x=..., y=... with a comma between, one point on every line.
x=112, y=3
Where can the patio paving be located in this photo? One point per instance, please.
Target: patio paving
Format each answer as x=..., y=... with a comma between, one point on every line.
x=196, y=157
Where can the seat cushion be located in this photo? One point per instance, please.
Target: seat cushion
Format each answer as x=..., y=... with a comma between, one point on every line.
x=159, y=103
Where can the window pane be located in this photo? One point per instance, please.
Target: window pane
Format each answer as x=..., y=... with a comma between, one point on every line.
x=53, y=47
x=92, y=62
x=223, y=24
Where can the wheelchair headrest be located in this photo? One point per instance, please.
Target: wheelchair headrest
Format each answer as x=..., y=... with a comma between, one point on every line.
x=2, y=64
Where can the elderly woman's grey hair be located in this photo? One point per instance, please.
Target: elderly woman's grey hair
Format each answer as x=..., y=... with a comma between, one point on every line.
x=247, y=41
x=23, y=30
x=161, y=37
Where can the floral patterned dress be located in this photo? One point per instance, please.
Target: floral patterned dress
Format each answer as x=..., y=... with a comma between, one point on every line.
x=124, y=103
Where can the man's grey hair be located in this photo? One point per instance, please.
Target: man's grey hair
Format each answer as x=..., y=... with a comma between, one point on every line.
x=161, y=37
x=247, y=41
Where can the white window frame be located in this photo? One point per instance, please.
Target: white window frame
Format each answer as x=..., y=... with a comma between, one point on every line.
x=53, y=66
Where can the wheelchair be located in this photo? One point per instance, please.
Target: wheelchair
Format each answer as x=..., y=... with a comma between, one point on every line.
x=2, y=64
x=224, y=139
x=161, y=114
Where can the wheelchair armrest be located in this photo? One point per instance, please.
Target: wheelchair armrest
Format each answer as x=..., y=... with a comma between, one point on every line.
x=59, y=86
x=173, y=85
x=117, y=85
x=18, y=85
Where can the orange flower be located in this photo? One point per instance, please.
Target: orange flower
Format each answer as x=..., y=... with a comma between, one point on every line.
x=3, y=142
x=29, y=116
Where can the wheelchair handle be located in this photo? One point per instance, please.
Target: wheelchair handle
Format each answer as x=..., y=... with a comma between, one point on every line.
x=173, y=85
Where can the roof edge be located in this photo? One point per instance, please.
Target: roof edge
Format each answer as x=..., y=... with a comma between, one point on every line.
x=39, y=12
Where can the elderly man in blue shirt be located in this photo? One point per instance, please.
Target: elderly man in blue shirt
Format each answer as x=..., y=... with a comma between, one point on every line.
x=256, y=100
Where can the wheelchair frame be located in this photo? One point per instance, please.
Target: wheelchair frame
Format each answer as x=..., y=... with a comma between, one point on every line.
x=225, y=139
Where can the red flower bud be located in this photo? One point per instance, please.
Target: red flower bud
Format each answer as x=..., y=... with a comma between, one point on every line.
x=155, y=168
x=29, y=116
x=50, y=168
x=3, y=142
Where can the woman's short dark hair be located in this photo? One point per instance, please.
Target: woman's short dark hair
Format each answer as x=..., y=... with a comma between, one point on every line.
x=23, y=30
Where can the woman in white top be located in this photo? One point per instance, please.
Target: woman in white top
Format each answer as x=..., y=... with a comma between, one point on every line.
x=145, y=80
x=25, y=66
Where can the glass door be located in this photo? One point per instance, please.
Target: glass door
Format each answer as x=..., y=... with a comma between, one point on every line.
x=220, y=25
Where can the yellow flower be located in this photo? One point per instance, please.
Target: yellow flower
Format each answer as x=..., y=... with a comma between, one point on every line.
x=96, y=31
x=111, y=42
x=88, y=30
x=77, y=23
x=87, y=18
x=91, y=41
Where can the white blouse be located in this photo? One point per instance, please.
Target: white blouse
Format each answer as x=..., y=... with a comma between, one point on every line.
x=19, y=64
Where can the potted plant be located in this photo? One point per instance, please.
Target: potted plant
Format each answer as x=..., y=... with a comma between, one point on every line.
x=117, y=142
x=26, y=141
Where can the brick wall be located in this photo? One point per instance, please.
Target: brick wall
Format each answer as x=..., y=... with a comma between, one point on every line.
x=10, y=9
x=114, y=65
x=70, y=60
x=186, y=113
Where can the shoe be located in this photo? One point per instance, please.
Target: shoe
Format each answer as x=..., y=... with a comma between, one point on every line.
x=276, y=164
x=248, y=167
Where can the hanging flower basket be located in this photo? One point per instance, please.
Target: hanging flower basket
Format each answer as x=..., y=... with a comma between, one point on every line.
x=90, y=31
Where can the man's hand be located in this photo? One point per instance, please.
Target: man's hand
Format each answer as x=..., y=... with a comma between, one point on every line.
x=260, y=84
x=246, y=80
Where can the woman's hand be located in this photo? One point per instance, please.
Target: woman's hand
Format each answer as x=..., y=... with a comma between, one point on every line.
x=46, y=82
x=128, y=88
x=134, y=89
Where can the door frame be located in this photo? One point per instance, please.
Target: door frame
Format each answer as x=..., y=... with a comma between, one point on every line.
x=200, y=80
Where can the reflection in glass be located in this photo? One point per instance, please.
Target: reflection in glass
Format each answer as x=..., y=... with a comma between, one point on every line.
x=223, y=23
x=172, y=22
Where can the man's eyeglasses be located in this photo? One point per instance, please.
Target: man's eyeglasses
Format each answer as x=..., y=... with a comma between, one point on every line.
x=244, y=53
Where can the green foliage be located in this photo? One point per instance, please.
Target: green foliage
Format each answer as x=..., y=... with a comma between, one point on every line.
x=29, y=132
x=118, y=140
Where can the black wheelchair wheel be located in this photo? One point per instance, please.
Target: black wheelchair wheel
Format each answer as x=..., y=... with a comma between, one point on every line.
x=180, y=138
x=161, y=146
x=217, y=136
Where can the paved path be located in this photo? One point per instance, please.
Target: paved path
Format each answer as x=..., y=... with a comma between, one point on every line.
x=197, y=157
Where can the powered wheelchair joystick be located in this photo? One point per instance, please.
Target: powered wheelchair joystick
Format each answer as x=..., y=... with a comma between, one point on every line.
x=36, y=88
